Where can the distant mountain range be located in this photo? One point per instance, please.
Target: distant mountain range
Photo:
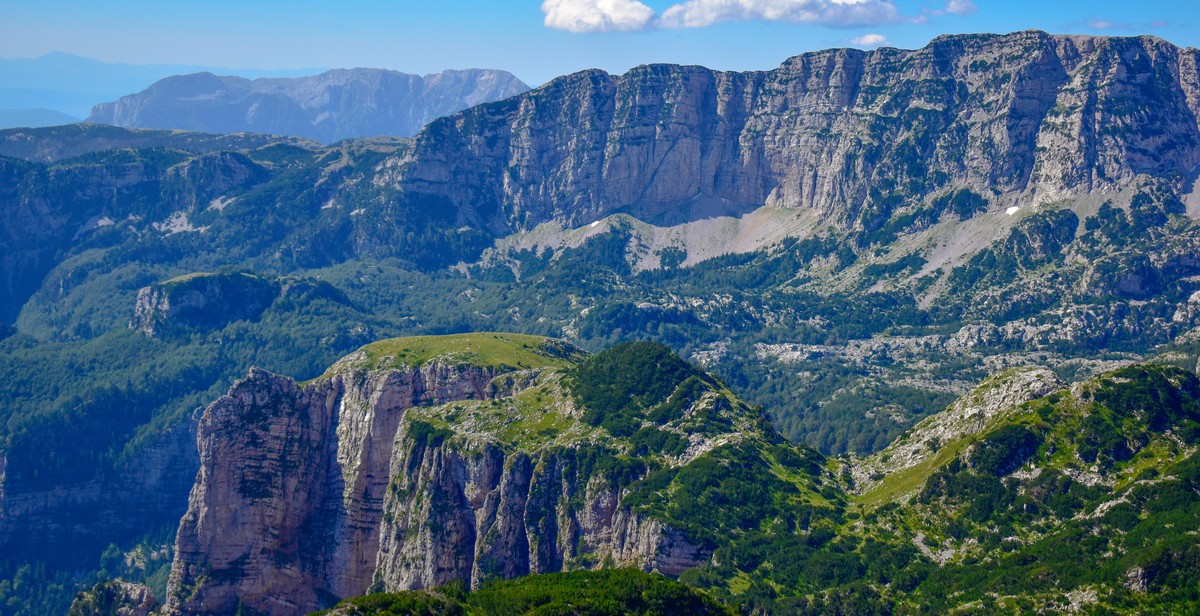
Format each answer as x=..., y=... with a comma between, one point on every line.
x=72, y=84
x=335, y=105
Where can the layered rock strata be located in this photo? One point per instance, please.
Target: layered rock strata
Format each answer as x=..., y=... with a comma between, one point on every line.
x=854, y=134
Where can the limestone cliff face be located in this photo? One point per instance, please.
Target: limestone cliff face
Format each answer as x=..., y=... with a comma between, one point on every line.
x=285, y=508
x=311, y=492
x=1025, y=116
x=484, y=514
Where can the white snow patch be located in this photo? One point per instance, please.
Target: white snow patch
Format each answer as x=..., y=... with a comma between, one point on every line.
x=1191, y=198
x=177, y=223
x=593, y=225
x=93, y=223
x=220, y=203
x=357, y=212
x=1012, y=210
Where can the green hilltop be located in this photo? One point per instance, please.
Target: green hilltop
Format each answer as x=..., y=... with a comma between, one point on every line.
x=1081, y=498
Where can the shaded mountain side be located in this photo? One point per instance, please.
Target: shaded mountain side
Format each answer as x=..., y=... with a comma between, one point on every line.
x=332, y=106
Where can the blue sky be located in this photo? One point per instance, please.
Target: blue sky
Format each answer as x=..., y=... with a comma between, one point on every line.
x=539, y=40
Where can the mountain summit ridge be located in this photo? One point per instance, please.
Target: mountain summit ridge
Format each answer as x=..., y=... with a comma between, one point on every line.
x=1023, y=117
x=334, y=105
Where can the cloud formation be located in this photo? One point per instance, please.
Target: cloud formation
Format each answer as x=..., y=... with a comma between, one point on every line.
x=597, y=15
x=1105, y=24
x=869, y=40
x=842, y=13
x=630, y=15
x=960, y=7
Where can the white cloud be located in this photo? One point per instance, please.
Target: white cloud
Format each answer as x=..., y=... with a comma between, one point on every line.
x=960, y=7
x=597, y=15
x=870, y=40
x=701, y=13
x=1107, y=24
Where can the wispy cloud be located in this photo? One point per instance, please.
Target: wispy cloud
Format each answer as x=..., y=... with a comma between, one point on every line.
x=1104, y=24
x=1124, y=26
x=633, y=15
x=627, y=15
x=869, y=40
x=839, y=13
x=597, y=15
x=960, y=7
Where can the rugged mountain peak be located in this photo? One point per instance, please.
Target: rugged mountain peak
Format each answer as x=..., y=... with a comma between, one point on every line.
x=417, y=461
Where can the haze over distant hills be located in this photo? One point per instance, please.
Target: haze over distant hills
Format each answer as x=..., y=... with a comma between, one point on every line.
x=34, y=118
x=72, y=84
x=335, y=105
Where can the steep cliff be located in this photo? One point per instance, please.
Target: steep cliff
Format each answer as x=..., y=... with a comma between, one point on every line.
x=419, y=461
x=853, y=134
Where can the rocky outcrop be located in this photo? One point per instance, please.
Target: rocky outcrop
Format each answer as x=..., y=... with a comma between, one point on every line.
x=115, y=598
x=484, y=515
x=117, y=191
x=323, y=490
x=972, y=414
x=853, y=134
x=281, y=513
x=335, y=105
x=202, y=302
